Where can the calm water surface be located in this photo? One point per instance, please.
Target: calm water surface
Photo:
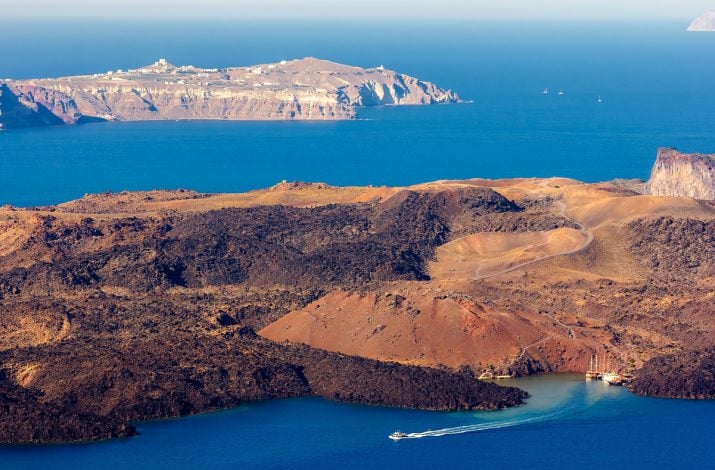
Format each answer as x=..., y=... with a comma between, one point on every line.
x=654, y=80
x=567, y=423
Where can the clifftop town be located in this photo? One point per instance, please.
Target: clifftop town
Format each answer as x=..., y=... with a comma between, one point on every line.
x=305, y=89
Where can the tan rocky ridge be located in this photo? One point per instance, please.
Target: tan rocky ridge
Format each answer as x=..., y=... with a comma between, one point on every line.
x=305, y=89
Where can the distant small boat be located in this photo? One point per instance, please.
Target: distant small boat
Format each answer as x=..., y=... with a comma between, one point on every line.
x=600, y=100
x=546, y=91
x=397, y=435
x=561, y=92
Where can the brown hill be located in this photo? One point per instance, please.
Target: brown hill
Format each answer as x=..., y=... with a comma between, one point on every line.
x=126, y=306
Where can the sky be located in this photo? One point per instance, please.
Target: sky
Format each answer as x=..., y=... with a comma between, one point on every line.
x=386, y=9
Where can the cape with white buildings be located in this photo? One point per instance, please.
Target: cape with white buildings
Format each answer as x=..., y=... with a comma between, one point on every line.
x=305, y=89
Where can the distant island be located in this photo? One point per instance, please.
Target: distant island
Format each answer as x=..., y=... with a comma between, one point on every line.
x=704, y=22
x=305, y=89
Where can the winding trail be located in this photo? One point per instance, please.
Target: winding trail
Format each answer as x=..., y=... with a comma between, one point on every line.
x=525, y=348
x=572, y=333
x=561, y=212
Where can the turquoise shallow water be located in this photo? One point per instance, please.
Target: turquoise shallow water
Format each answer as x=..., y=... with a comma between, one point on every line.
x=567, y=423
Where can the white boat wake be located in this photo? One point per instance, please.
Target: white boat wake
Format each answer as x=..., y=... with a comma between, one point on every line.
x=481, y=426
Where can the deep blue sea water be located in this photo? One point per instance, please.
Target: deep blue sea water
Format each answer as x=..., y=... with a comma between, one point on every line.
x=567, y=423
x=655, y=80
x=656, y=84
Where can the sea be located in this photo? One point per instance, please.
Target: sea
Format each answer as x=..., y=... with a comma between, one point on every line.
x=655, y=83
x=567, y=423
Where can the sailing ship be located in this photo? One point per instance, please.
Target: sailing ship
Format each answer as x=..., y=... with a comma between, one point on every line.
x=592, y=373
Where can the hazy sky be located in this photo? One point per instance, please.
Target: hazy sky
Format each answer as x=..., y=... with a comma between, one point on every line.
x=355, y=9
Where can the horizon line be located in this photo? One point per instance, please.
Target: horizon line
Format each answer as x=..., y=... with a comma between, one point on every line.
x=386, y=18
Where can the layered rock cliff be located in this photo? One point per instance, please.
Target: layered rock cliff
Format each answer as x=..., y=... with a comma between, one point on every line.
x=704, y=22
x=682, y=175
x=308, y=89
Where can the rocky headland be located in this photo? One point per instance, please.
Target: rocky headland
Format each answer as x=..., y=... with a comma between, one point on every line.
x=124, y=306
x=682, y=174
x=689, y=375
x=305, y=89
x=704, y=22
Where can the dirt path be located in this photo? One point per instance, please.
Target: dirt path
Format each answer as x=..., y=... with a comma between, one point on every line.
x=561, y=212
x=525, y=348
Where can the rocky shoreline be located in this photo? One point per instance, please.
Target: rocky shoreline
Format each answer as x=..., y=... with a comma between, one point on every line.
x=132, y=389
x=687, y=375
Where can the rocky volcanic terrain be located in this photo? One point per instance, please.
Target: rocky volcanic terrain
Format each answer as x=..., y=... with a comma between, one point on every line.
x=693, y=371
x=704, y=22
x=119, y=307
x=298, y=89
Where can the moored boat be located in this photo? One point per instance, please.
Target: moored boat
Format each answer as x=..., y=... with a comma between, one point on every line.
x=612, y=378
x=592, y=373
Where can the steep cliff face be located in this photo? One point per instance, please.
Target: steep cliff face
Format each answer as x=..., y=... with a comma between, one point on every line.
x=17, y=110
x=704, y=22
x=308, y=89
x=682, y=175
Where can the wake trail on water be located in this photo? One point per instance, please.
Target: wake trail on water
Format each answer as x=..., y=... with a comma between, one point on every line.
x=495, y=425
